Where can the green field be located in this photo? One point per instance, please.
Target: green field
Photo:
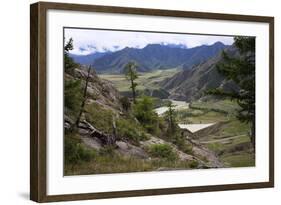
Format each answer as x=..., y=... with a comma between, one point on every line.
x=231, y=141
x=148, y=80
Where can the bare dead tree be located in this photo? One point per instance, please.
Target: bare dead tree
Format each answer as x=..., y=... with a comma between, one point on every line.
x=107, y=139
x=114, y=132
x=84, y=98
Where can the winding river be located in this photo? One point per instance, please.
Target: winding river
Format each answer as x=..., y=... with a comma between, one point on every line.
x=178, y=105
x=181, y=105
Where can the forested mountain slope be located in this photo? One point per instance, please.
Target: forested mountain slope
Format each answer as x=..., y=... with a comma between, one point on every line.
x=191, y=84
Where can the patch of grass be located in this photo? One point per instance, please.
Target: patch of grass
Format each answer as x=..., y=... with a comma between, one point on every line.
x=130, y=131
x=193, y=164
x=99, y=117
x=208, y=112
x=241, y=140
x=181, y=143
x=183, y=114
x=107, y=150
x=187, y=148
x=216, y=147
x=114, y=163
x=242, y=159
x=147, y=80
x=76, y=152
x=234, y=152
x=111, y=164
x=228, y=144
x=224, y=106
x=235, y=127
x=208, y=117
x=205, y=115
x=162, y=151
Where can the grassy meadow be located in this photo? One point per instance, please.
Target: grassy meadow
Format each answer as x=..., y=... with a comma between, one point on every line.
x=147, y=80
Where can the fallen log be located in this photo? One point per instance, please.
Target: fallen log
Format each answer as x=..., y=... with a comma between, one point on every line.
x=105, y=138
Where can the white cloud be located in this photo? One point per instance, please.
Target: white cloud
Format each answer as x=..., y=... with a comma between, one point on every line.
x=87, y=41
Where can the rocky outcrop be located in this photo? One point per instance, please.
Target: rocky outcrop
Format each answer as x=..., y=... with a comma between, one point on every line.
x=99, y=90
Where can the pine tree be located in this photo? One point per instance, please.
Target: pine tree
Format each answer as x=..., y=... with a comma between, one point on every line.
x=69, y=64
x=170, y=115
x=241, y=70
x=144, y=112
x=72, y=87
x=131, y=74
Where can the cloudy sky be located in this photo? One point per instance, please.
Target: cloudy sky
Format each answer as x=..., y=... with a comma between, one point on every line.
x=88, y=41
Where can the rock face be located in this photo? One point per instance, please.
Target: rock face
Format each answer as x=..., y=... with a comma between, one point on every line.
x=130, y=150
x=191, y=84
x=210, y=157
x=100, y=91
x=91, y=142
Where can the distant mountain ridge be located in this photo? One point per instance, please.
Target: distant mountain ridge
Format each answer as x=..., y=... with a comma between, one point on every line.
x=152, y=57
x=87, y=59
x=156, y=56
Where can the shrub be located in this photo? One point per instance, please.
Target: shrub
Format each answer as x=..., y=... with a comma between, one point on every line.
x=143, y=111
x=125, y=102
x=107, y=150
x=84, y=153
x=72, y=96
x=193, y=164
x=187, y=148
x=75, y=152
x=162, y=151
x=182, y=144
x=128, y=130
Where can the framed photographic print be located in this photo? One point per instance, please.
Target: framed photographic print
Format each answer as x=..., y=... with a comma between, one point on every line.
x=135, y=102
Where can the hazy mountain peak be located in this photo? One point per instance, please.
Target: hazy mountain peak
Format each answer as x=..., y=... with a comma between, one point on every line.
x=153, y=45
x=218, y=43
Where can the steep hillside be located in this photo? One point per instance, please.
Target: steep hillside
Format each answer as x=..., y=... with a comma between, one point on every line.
x=190, y=84
x=156, y=56
x=100, y=92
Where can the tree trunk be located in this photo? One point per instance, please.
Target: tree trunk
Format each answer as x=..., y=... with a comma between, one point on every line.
x=84, y=98
x=133, y=90
x=114, y=136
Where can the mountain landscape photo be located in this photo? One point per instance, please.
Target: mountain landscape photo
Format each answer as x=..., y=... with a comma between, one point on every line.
x=141, y=101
